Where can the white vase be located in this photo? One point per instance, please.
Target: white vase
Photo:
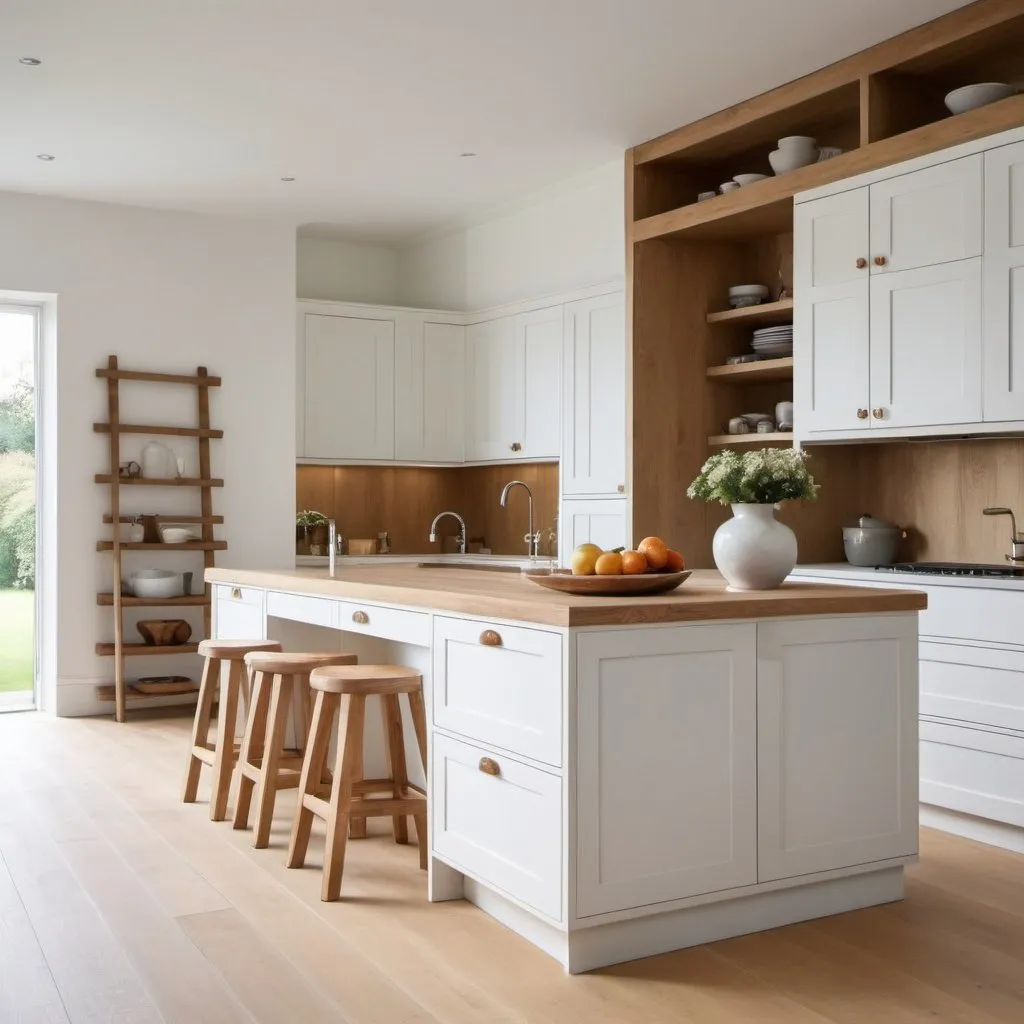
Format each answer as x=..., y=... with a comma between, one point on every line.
x=753, y=551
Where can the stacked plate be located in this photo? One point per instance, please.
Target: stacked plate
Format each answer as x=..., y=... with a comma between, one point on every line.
x=773, y=341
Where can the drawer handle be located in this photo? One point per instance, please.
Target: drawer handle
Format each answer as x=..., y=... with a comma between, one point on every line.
x=490, y=638
x=236, y=593
x=361, y=618
x=489, y=766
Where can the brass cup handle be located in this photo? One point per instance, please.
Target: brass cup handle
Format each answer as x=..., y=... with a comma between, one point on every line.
x=490, y=638
x=515, y=446
x=878, y=413
x=361, y=618
x=621, y=488
x=236, y=593
x=861, y=263
x=489, y=766
x=862, y=414
x=880, y=261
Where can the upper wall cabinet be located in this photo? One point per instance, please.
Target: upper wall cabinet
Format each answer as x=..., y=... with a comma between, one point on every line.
x=538, y=355
x=349, y=366
x=594, y=397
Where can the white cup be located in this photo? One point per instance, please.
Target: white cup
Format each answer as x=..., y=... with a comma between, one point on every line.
x=784, y=415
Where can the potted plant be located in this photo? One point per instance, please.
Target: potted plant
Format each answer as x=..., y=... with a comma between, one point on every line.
x=753, y=551
x=311, y=531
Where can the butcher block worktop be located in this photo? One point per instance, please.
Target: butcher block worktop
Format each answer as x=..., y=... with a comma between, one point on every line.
x=508, y=595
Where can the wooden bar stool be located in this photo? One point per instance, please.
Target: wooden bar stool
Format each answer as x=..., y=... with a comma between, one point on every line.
x=263, y=762
x=222, y=753
x=345, y=689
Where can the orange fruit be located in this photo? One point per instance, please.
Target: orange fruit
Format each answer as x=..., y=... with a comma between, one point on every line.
x=655, y=551
x=609, y=564
x=633, y=563
x=675, y=562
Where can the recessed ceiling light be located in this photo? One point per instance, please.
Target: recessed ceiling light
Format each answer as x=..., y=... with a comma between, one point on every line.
x=31, y=62
x=287, y=179
x=467, y=154
x=45, y=156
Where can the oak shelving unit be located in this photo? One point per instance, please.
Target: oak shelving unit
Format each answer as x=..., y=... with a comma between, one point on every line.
x=121, y=692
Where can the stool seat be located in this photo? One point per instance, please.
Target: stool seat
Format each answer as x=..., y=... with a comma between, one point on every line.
x=234, y=650
x=291, y=664
x=369, y=680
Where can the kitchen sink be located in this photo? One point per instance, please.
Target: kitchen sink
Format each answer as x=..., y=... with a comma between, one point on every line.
x=956, y=569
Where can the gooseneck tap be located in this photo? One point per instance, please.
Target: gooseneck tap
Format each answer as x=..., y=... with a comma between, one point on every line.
x=332, y=544
x=532, y=539
x=1016, y=540
x=462, y=529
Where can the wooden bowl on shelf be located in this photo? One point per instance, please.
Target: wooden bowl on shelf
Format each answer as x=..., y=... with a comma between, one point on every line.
x=164, y=632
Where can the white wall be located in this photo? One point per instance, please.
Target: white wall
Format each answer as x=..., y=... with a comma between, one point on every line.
x=166, y=292
x=571, y=236
x=327, y=268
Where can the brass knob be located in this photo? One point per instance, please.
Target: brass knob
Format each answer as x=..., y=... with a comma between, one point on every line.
x=490, y=638
x=880, y=261
x=622, y=488
x=361, y=618
x=489, y=766
x=236, y=593
x=862, y=414
x=878, y=413
x=861, y=263
x=515, y=446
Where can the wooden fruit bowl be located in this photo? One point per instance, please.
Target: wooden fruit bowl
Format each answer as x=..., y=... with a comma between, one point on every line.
x=164, y=632
x=608, y=586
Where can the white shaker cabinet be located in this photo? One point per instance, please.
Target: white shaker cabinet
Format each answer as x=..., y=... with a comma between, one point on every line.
x=1004, y=283
x=594, y=397
x=349, y=367
x=491, y=390
x=602, y=521
x=538, y=354
x=836, y=743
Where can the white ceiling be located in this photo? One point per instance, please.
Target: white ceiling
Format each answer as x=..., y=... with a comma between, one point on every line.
x=205, y=104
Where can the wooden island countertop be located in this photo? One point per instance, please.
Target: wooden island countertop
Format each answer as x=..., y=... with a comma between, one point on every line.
x=509, y=595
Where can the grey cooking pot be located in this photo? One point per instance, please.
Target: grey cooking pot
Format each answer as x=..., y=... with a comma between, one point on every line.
x=872, y=542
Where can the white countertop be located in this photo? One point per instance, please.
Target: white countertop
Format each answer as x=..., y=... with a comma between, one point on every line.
x=883, y=577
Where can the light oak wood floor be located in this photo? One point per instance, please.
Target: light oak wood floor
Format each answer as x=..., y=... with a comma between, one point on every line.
x=120, y=904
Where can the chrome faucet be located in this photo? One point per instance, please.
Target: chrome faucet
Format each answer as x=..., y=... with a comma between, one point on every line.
x=332, y=546
x=1016, y=540
x=532, y=539
x=462, y=529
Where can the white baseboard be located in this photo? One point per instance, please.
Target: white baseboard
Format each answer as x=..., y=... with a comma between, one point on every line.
x=982, y=830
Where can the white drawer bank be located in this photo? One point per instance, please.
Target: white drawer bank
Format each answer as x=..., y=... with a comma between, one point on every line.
x=614, y=791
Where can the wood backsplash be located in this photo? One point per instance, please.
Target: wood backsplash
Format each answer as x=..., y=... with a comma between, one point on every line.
x=366, y=500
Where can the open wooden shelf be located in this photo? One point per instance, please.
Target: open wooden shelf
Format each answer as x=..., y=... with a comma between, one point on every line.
x=189, y=601
x=141, y=481
x=107, y=692
x=753, y=373
x=199, y=381
x=169, y=518
x=189, y=545
x=766, y=313
x=749, y=440
x=142, y=650
x=154, y=428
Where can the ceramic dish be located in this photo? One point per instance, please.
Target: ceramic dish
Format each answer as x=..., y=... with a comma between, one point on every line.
x=970, y=97
x=608, y=586
x=760, y=290
x=785, y=160
x=748, y=179
x=175, y=534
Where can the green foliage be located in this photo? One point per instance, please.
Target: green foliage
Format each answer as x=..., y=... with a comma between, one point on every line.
x=17, y=520
x=762, y=477
x=18, y=420
x=308, y=518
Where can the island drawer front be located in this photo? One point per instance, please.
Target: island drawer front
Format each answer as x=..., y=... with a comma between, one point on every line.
x=976, y=685
x=238, y=613
x=389, y=623
x=300, y=608
x=499, y=821
x=499, y=685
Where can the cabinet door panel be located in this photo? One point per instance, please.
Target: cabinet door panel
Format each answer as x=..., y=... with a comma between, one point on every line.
x=928, y=217
x=602, y=522
x=666, y=744
x=350, y=368
x=926, y=345
x=836, y=743
x=490, y=390
x=594, y=397
x=538, y=342
x=1003, y=351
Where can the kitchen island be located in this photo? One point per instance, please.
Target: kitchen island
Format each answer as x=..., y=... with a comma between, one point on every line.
x=671, y=769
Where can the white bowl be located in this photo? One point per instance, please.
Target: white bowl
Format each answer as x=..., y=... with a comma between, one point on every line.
x=970, y=97
x=759, y=290
x=153, y=574
x=748, y=179
x=798, y=142
x=739, y=301
x=728, y=186
x=783, y=160
x=170, y=585
x=175, y=534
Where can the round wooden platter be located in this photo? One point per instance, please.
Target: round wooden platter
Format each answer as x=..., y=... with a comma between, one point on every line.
x=608, y=586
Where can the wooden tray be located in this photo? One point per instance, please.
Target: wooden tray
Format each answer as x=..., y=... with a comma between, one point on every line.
x=608, y=586
x=164, y=685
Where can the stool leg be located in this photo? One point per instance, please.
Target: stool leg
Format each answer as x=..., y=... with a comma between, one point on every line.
x=301, y=711
x=419, y=723
x=266, y=791
x=224, y=759
x=397, y=771
x=200, y=728
x=350, y=734
x=313, y=762
x=357, y=823
x=253, y=745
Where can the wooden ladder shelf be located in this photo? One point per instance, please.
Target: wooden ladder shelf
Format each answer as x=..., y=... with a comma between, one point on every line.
x=122, y=691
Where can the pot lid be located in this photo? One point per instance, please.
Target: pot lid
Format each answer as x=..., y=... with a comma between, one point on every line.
x=867, y=522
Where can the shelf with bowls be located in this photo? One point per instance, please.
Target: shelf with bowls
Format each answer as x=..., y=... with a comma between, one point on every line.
x=752, y=440
x=779, y=312
x=188, y=545
x=754, y=372
x=185, y=689
x=129, y=601
x=105, y=650
x=158, y=481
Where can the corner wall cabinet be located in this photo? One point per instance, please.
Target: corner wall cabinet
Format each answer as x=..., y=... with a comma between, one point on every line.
x=122, y=690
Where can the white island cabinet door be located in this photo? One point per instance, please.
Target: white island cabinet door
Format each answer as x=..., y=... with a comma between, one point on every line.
x=830, y=322
x=666, y=784
x=350, y=377
x=1003, y=345
x=239, y=613
x=538, y=355
x=602, y=522
x=836, y=743
x=491, y=392
x=926, y=346
x=594, y=397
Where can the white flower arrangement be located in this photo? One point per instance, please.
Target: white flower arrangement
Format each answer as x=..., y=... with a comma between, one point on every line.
x=763, y=477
